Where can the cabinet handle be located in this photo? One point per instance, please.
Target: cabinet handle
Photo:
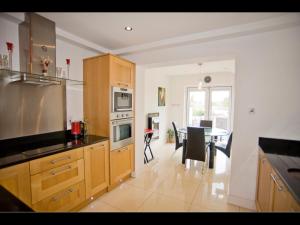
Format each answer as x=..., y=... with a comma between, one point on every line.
x=119, y=83
x=54, y=172
x=56, y=198
x=60, y=159
x=276, y=182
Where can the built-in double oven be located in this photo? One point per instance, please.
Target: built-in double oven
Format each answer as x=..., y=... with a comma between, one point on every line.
x=121, y=118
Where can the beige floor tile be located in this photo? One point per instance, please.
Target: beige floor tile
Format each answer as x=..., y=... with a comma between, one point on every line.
x=211, y=195
x=126, y=197
x=99, y=206
x=178, y=188
x=148, y=180
x=161, y=203
x=220, y=208
x=242, y=209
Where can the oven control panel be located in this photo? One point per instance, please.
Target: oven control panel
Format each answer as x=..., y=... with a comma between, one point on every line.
x=121, y=115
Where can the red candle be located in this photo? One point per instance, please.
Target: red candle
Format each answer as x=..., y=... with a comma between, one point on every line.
x=9, y=46
x=68, y=61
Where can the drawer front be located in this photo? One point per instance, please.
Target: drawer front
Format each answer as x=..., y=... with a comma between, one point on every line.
x=51, y=181
x=52, y=161
x=64, y=200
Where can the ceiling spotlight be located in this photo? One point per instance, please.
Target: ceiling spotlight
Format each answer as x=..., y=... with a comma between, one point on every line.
x=128, y=28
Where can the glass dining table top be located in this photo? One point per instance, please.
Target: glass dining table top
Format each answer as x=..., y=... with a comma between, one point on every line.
x=208, y=131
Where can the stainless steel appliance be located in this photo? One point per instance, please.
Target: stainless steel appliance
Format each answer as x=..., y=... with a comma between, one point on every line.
x=33, y=109
x=121, y=103
x=121, y=133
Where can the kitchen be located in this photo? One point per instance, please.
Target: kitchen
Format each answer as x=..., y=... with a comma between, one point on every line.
x=61, y=172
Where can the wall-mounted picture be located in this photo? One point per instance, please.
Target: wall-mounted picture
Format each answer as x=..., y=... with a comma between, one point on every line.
x=161, y=96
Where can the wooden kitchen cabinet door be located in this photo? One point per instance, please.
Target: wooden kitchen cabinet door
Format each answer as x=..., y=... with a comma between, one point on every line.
x=16, y=179
x=120, y=164
x=282, y=199
x=264, y=190
x=96, y=168
x=121, y=73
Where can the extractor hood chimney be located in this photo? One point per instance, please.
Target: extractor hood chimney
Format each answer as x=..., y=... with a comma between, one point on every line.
x=37, y=40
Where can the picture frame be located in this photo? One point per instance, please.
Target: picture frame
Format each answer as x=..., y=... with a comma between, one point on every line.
x=161, y=96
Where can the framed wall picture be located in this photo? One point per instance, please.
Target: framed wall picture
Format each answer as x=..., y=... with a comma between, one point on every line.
x=161, y=96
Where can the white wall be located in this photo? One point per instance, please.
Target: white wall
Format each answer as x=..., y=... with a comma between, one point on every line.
x=267, y=78
x=9, y=32
x=155, y=78
x=179, y=85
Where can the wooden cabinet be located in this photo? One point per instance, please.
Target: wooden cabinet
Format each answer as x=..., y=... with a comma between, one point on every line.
x=263, y=196
x=52, y=161
x=120, y=164
x=16, y=179
x=96, y=158
x=271, y=194
x=64, y=200
x=281, y=198
x=121, y=73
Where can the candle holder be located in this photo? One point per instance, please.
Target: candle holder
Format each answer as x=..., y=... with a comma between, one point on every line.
x=68, y=67
x=10, y=50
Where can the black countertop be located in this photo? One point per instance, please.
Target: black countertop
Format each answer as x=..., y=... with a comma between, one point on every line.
x=23, y=149
x=283, y=155
x=10, y=203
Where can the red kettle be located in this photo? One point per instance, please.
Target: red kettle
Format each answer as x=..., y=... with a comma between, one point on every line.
x=76, y=128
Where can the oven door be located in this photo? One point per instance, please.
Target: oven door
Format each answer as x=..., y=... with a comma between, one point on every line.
x=121, y=133
x=122, y=99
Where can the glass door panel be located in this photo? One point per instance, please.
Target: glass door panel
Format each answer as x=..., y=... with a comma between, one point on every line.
x=197, y=105
x=220, y=107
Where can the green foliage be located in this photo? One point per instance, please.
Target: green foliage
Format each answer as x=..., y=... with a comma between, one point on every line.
x=198, y=112
x=170, y=133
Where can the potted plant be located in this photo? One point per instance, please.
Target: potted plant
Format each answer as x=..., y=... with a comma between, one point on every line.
x=170, y=133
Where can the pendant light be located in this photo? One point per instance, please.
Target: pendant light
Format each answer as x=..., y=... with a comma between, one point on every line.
x=200, y=84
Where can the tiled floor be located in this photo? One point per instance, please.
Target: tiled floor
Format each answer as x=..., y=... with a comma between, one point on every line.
x=166, y=185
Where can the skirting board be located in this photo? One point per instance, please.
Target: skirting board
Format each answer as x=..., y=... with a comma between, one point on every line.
x=242, y=202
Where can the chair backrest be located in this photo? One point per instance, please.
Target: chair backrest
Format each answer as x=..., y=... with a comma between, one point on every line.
x=195, y=148
x=205, y=123
x=228, y=146
x=177, y=145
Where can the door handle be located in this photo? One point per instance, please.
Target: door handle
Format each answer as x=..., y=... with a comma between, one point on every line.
x=276, y=182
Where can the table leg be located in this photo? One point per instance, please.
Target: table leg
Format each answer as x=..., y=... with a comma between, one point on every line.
x=183, y=150
x=211, y=154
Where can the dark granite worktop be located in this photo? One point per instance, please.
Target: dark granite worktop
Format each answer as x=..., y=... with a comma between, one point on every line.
x=23, y=149
x=283, y=155
x=10, y=203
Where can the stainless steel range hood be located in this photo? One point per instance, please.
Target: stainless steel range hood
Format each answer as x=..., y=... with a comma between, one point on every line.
x=37, y=39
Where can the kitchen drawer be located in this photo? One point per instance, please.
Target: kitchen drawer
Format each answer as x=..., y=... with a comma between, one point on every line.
x=51, y=181
x=52, y=161
x=64, y=200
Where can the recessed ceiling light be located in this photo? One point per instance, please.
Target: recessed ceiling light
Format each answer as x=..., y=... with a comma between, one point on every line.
x=128, y=28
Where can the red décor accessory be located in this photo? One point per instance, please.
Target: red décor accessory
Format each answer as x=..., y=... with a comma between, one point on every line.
x=10, y=49
x=9, y=46
x=68, y=66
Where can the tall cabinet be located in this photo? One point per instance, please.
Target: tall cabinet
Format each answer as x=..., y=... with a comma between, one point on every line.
x=101, y=73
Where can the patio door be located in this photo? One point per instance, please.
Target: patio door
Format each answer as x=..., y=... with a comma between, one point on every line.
x=197, y=105
x=212, y=103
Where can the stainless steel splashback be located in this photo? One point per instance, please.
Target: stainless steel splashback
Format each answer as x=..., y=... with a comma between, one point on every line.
x=29, y=109
x=37, y=39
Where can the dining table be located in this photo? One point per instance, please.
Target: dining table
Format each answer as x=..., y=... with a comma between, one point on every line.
x=208, y=132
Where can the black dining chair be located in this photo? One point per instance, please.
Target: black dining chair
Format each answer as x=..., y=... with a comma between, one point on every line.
x=196, y=148
x=225, y=148
x=206, y=123
x=147, y=140
x=178, y=144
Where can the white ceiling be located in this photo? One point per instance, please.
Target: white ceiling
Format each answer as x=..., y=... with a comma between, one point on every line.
x=193, y=68
x=107, y=29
